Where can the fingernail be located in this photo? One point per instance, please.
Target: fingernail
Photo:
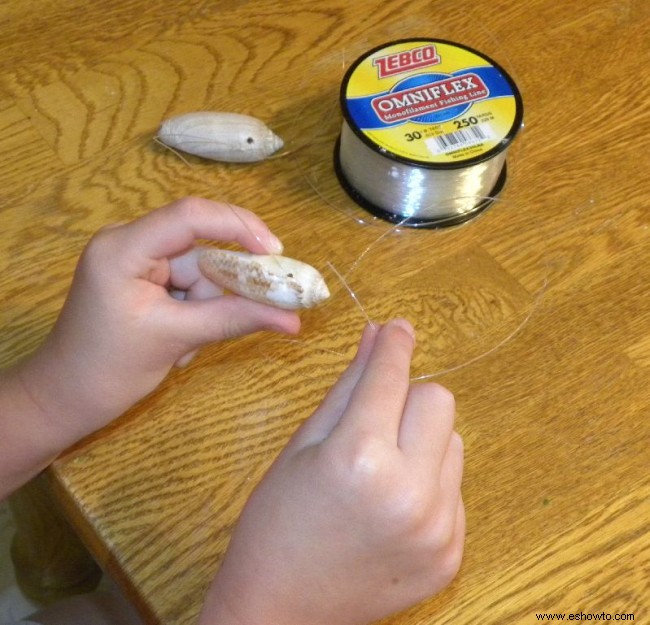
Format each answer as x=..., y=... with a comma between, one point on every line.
x=185, y=360
x=370, y=328
x=406, y=326
x=274, y=245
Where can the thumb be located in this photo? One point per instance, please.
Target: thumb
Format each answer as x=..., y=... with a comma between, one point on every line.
x=321, y=423
x=198, y=322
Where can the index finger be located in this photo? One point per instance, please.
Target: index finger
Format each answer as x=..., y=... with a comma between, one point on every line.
x=174, y=228
x=377, y=402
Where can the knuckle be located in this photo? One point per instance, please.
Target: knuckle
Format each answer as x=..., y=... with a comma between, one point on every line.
x=379, y=482
x=99, y=245
x=365, y=474
x=409, y=509
x=442, y=396
x=445, y=534
x=187, y=207
x=449, y=564
x=362, y=462
x=442, y=531
x=232, y=328
x=456, y=444
x=412, y=515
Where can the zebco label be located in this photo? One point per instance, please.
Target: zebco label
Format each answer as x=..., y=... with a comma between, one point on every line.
x=431, y=102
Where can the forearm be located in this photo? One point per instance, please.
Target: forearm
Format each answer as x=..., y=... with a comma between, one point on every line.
x=24, y=451
x=34, y=426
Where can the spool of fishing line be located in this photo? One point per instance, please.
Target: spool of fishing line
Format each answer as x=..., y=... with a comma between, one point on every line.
x=426, y=127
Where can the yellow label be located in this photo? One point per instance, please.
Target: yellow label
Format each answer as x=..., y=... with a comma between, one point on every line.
x=431, y=102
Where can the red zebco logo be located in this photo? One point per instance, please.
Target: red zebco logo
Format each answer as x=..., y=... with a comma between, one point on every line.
x=405, y=61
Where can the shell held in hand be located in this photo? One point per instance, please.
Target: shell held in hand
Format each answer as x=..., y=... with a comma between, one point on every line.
x=276, y=280
x=228, y=137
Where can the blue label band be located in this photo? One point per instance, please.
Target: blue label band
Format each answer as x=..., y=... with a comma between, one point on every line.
x=428, y=98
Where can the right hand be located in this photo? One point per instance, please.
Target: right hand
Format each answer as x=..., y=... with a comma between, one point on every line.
x=361, y=515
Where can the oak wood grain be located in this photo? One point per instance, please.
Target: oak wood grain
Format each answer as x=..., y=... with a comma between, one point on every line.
x=536, y=314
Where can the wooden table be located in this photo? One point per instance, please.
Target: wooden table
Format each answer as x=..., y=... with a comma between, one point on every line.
x=536, y=314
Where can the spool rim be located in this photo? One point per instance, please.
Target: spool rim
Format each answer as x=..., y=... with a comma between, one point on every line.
x=416, y=222
x=461, y=164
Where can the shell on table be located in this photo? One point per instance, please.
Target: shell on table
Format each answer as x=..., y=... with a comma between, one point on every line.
x=271, y=279
x=228, y=137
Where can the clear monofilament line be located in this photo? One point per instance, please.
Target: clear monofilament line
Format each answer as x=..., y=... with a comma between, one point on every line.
x=499, y=345
x=408, y=191
x=352, y=294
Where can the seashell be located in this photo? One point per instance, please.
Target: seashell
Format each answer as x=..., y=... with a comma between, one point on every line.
x=228, y=137
x=275, y=280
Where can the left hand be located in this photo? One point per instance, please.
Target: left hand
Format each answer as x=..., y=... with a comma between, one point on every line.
x=121, y=330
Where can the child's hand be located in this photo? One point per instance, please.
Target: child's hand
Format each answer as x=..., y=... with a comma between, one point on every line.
x=138, y=305
x=361, y=515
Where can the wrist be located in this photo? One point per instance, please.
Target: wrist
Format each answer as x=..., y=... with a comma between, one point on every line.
x=216, y=611
x=224, y=607
x=26, y=442
x=51, y=401
x=229, y=602
x=73, y=394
